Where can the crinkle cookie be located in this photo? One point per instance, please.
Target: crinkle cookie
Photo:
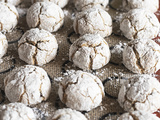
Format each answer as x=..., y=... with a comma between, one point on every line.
x=68, y=114
x=90, y=51
x=81, y=91
x=138, y=115
x=141, y=92
x=85, y=4
x=3, y=45
x=93, y=21
x=139, y=24
x=37, y=47
x=145, y=4
x=41, y=15
x=28, y=84
x=60, y=3
x=9, y=17
x=142, y=56
x=16, y=111
x=13, y=2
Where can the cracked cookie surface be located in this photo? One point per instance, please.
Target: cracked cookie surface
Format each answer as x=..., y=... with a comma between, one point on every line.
x=142, y=56
x=28, y=84
x=146, y=4
x=138, y=115
x=93, y=21
x=81, y=91
x=16, y=111
x=9, y=17
x=90, y=51
x=13, y=2
x=85, y=4
x=68, y=114
x=3, y=45
x=60, y=3
x=141, y=92
x=37, y=47
x=139, y=24
x=41, y=15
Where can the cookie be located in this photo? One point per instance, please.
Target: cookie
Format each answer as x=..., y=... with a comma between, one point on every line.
x=3, y=45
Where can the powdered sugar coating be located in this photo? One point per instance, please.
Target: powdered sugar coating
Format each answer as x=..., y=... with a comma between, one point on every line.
x=60, y=3
x=3, y=45
x=145, y=4
x=28, y=84
x=141, y=92
x=13, y=2
x=81, y=91
x=9, y=17
x=90, y=51
x=85, y=4
x=138, y=115
x=139, y=24
x=37, y=47
x=68, y=114
x=16, y=111
x=41, y=15
x=93, y=21
x=142, y=56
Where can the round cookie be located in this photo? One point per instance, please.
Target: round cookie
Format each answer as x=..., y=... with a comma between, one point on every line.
x=142, y=56
x=9, y=17
x=13, y=2
x=90, y=52
x=81, y=91
x=16, y=111
x=28, y=84
x=60, y=3
x=68, y=114
x=93, y=21
x=37, y=47
x=141, y=92
x=145, y=4
x=3, y=45
x=41, y=15
x=138, y=115
x=85, y=4
x=139, y=24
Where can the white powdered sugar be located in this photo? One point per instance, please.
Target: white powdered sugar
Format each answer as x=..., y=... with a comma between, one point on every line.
x=28, y=84
x=81, y=91
x=142, y=56
x=37, y=47
x=139, y=24
x=3, y=45
x=90, y=51
x=41, y=15
x=93, y=21
x=13, y=2
x=16, y=111
x=141, y=92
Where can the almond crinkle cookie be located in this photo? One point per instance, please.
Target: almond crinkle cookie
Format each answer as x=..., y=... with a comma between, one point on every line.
x=81, y=91
x=142, y=56
x=28, y=84
x=138, y=115
x=85, y=4
x=3, y=45
x=68, y=114
x=146, y=4
x=16, y=111
x=93, y=21
x=140, y=92
x=37, y=47
x=60, y=3
x=13, y=2
x=45, y=15
x=8, y=10
x=90, y=51
x=139, y=24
